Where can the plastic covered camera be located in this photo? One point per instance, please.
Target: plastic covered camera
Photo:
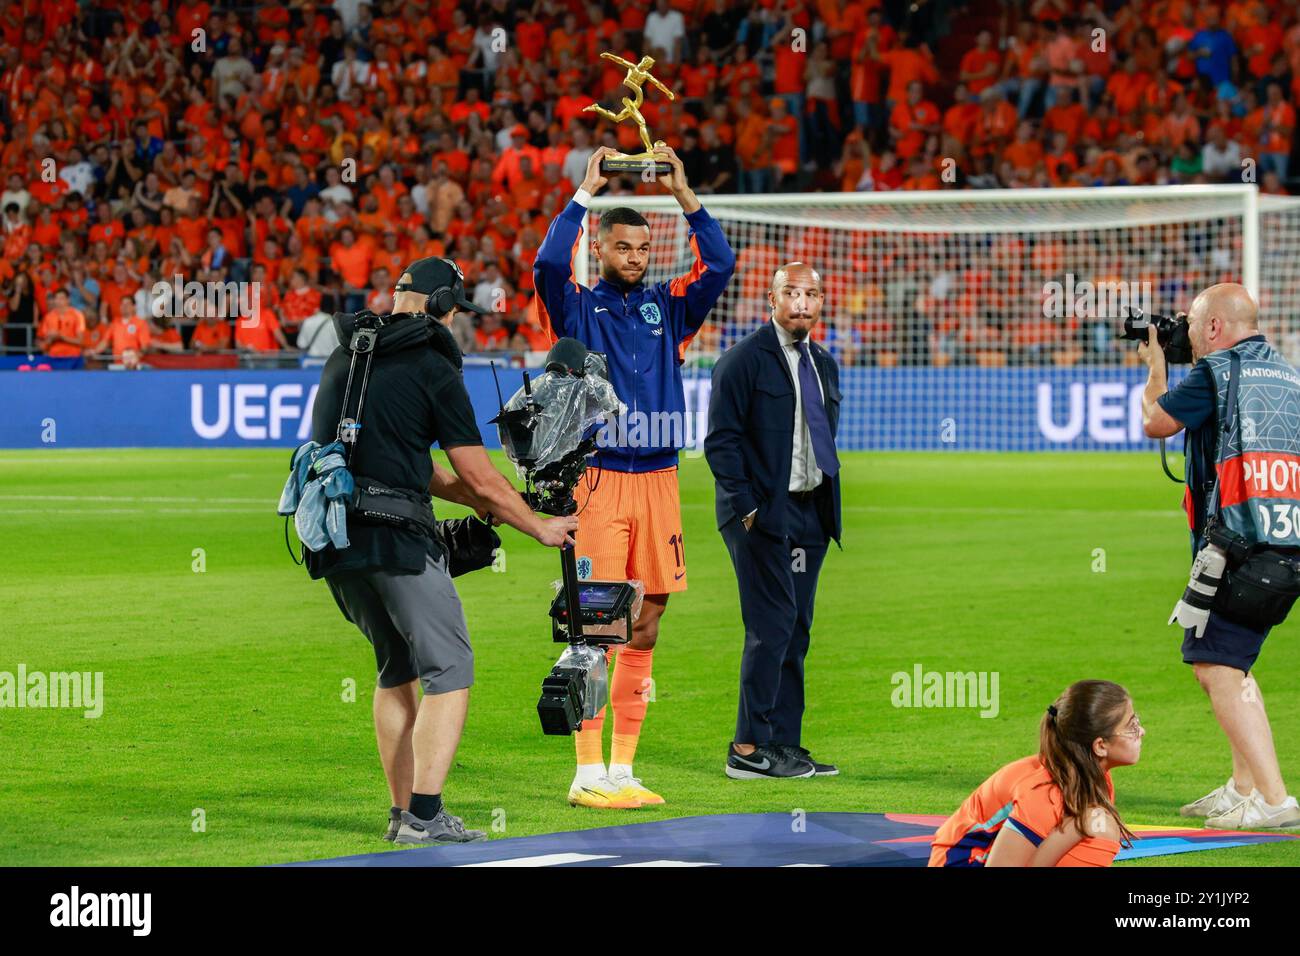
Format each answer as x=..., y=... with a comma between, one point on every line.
x=546, y=421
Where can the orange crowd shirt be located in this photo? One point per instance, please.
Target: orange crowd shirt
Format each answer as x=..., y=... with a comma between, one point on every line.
x=69, y=322
x=214, y=335
x=352, y=263
x=259, y=334
x=123, y=334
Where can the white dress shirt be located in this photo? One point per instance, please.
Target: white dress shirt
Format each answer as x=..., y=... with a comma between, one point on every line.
x=804, y=473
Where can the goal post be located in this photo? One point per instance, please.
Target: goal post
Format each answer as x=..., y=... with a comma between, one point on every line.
x=985, y=319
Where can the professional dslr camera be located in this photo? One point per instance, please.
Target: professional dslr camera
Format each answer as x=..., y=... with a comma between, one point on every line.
x=1171, y=333
x=546, y=430
x=1172, y=336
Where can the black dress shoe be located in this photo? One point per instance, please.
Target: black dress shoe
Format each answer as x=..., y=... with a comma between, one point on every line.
x=766, y=761
x=801, y=753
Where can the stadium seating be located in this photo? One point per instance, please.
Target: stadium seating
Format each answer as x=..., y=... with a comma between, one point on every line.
x=249, y=142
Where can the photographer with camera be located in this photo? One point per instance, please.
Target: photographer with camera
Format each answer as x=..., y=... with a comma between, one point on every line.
x=392, y=578
x=1240, y=404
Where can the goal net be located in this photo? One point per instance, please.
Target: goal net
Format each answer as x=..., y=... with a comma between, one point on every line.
x=985, y=319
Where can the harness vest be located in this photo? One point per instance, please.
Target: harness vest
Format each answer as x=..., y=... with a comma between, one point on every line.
x=1257, y=457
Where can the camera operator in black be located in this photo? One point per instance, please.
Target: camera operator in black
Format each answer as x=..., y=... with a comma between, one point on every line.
x=393, y=583
x=1223, y=320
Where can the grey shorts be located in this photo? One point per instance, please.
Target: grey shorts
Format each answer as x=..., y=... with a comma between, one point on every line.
x=414, y=622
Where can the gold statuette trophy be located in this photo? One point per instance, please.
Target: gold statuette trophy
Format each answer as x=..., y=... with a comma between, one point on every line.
x=638, y=74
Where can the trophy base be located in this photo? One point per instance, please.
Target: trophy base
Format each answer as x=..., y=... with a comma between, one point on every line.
x=635, y=164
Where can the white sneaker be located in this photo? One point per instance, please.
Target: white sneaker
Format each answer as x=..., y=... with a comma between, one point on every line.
x=602, y=794
x=1217, y=801
x=1253, y=813
x=632, y=787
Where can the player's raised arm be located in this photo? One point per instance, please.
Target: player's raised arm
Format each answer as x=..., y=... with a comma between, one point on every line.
x=715, y=261
x=557, y=289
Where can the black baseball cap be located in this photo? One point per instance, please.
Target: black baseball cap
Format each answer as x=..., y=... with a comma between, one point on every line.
x=435, y=272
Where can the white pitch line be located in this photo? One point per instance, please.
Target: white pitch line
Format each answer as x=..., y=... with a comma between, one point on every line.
x=990, y=512
x=867, y=509
x=70, y=456
x=628, y=866
x=102, y=512
x=1071, y=512
x=549, y=859
x=151, y=499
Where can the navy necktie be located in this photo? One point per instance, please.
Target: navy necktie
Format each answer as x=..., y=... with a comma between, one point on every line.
x=819, y=426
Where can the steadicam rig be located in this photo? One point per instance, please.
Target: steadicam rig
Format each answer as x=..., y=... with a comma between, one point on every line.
x=546, y=429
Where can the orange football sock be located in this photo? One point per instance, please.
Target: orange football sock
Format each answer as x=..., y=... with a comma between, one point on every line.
x=627, y=694
x=588, y=742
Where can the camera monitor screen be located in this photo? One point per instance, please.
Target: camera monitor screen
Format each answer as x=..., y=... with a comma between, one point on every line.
x=600, y=597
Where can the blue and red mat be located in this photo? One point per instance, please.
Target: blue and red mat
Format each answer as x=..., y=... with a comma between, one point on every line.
x=756, y=839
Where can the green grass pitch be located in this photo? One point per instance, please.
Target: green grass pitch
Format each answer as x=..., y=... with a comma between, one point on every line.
x=224, y=690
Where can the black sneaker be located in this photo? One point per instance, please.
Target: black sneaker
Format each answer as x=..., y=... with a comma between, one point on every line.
x=819, y=769
x=443, y=828
x=394, y=823
x=766, y=761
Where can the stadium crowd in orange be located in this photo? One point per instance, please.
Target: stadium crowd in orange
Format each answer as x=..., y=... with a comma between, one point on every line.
x=316, y=148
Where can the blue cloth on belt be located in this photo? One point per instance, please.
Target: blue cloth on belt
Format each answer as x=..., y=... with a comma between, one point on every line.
x=316, y=494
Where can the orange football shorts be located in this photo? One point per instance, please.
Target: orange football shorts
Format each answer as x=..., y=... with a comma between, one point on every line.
x=630, y=528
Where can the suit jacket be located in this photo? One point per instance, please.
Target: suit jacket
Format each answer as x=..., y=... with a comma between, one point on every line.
x=751, y=433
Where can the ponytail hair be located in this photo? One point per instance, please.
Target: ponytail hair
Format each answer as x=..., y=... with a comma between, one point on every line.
x=1088, y=709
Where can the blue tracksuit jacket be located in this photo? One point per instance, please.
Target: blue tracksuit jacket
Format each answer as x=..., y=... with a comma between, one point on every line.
x=643, y=330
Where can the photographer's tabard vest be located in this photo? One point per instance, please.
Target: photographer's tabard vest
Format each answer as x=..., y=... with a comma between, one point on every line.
x=1258, y=455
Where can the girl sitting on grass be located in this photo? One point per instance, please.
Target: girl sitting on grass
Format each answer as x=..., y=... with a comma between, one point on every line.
x=1055, y=808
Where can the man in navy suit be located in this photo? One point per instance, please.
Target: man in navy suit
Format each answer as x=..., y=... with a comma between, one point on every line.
x=773, y=412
